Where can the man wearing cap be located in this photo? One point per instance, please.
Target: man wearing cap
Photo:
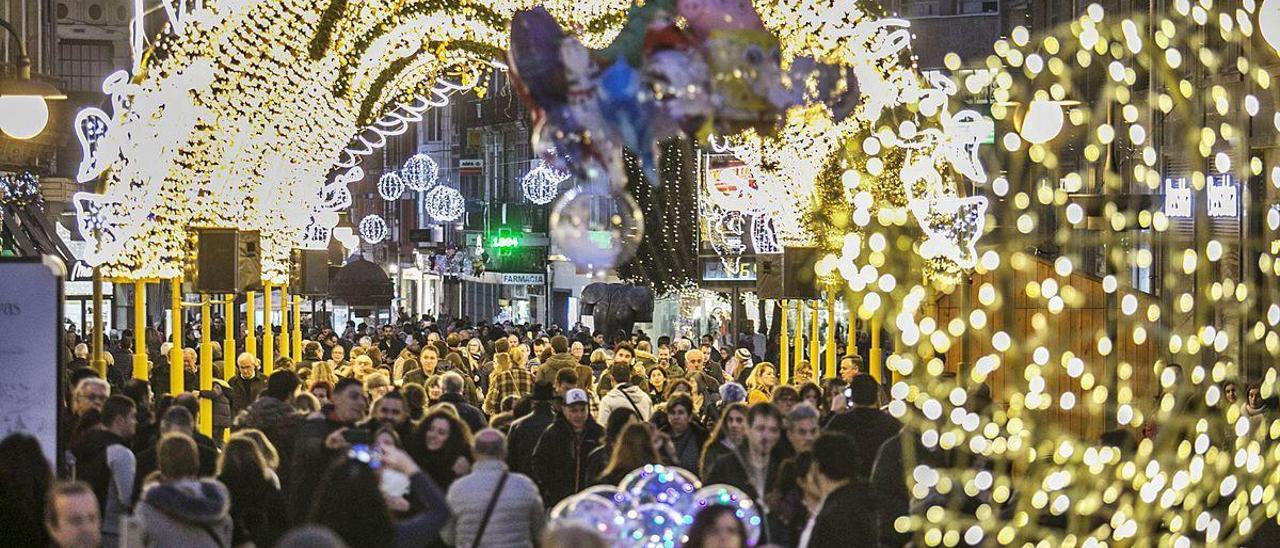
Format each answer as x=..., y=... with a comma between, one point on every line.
x=526, y=430
x=560, y=458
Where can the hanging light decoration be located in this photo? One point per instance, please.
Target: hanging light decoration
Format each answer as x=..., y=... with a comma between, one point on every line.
x=420, y=172
x=373, y=229
x=444, y=203
x=542, y=183
x=390, y=186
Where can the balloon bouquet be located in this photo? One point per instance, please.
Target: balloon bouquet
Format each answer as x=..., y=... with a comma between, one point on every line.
x=720, y=71
x=653, y=506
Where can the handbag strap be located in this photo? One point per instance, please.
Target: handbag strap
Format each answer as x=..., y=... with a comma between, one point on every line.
x=488, y=512
x=622, y=389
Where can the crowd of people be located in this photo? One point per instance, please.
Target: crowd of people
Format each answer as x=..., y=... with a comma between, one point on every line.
x=418, y=434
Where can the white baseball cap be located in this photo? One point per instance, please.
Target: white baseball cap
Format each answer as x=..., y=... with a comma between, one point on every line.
x=575, y=395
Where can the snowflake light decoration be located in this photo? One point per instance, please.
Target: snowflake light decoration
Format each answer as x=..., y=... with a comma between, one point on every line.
x=444, y=203
x=420, y=172
x=391, y=187
x=373, y=229
x=542, y=183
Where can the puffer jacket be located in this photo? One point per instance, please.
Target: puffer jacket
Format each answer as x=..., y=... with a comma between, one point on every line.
x=186, y=512
x=275, y=418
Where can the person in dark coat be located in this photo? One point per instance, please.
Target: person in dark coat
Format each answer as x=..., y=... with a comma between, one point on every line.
x=318, y=441
x=865, y=423
x=560, y=458
x=687, y=436
x=246, y=385
x=526, y=430
x=847, y=514
x=177, y=419
x=753, y=467
x=451, y=384
x=272, y=414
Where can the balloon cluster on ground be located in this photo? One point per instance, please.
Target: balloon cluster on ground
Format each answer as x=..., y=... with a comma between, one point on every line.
x=654, y=506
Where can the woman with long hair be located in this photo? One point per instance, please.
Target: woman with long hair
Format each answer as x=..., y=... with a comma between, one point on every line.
x=323, y=372
x=812, y=394
x=270, y=457
x=717, y=527
x=349, y=501
x=726, y=436
x=519, y=357
x=599, y=457
x=658, y=382
x=441, y=445
x=434, y=390
x=257, y=507
x=475, y=355
x=633, y=449
x=761, y=382
x=803, y=373
x=394, y=485
x=599, y=362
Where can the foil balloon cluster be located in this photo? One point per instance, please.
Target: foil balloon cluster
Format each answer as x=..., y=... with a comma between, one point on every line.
x=719, y=72
x=654, y=506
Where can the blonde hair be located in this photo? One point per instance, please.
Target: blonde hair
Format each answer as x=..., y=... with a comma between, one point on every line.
x=753, y=380
x=357, y=352
x=323, y=372
x=501, y=362
x=518, y=356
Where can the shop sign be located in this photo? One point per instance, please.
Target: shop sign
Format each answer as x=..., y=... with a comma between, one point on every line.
x=514, y=278
x=1177, y=198
x=1224, y=196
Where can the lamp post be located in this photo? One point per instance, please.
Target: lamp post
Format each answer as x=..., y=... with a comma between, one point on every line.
x=24, y=111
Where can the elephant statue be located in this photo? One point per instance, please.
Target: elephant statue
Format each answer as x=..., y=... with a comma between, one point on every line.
x=616, y=307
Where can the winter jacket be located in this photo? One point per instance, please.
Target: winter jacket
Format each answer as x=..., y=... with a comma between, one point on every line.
x=278, y=420
x=307, y=463
x=560, y=459
x=108, y=466
x=547, y=372
x=847, y=518
x=244, y=391
x=146, y=462
x=688, y=445
x=469, y=414
x=524, y=435
x=625, y=396
x=869, y=428
x=518, y=515
x=222, y=415
x=187, y=513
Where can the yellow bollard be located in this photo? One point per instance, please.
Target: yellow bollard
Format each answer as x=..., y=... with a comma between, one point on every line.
x=853, y=328
x=297, y=328
x=784, y=361
x=814, y=357
x=176, y=383
x=140, y=370
x=798, y=352
x=229, y=337
x=96, y=359
x=874, y=366
x=206, y=367
x=283, y=342
x=251, y=324
x=831, y=333
x=268, y=333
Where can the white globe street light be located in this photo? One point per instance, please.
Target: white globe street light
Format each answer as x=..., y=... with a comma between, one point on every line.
x=24, y=112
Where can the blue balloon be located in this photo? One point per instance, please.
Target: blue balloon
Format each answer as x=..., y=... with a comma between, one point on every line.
x=592, y=511
x=660, y=484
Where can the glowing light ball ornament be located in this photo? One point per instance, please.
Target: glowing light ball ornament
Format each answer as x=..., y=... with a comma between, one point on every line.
x=593, y=511
x=1269, y=23
x=445, y=204
x=620, y=497
x=1043, y=122
x=727, y=495
x=661, y=484
x=420, y=172
x=653, y=525
x=390, y=187
x=373, y=229
x=23, y=116
x=541, y=184
x=597, y=227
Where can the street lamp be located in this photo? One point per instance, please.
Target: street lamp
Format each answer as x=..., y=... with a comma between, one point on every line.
x=24, y=112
